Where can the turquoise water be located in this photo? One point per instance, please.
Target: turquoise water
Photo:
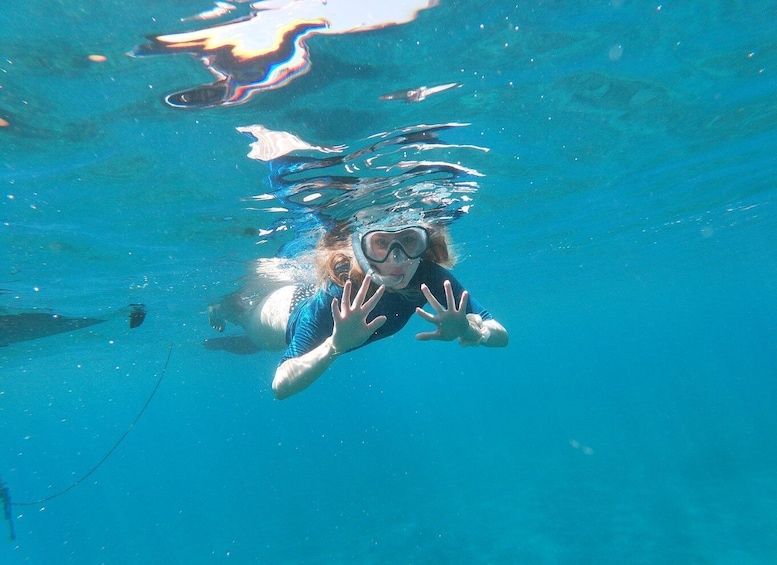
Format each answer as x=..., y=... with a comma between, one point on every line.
x=623, y=232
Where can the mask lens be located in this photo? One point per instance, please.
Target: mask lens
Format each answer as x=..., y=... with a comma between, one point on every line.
x=378, y=245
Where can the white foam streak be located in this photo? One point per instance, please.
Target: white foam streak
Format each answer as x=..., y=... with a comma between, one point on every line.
x=271, y=144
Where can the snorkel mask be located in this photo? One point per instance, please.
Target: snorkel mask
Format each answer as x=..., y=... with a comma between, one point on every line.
x=380, y=245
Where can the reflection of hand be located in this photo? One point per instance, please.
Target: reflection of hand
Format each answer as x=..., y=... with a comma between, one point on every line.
x=351, y=328
x=451, y=320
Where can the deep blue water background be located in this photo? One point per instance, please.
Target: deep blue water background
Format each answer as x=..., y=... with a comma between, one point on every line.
x=624, y=234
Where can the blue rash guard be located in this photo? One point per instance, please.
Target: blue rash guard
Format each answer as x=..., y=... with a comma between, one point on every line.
x=311, y=322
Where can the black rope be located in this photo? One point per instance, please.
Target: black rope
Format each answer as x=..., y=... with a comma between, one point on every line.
x=5, y=496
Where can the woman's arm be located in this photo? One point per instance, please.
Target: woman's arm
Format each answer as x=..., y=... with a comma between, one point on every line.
x=484, y=332
x=298, y=373
x=350, y=331
x=499, y=336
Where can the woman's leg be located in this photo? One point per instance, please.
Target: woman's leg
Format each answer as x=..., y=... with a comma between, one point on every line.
x=266, y=323
x=230, y=308
x=264, y=320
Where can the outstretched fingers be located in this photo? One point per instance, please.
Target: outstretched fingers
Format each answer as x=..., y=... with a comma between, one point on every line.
x=361, y=294
x=346, y=300
x=426, y=336
x=426, y=315
x=463, y=301
x=433, y=302
x=449, y=298
x=351, y=328
x=369, y=306
x=342, y=308
x=376, y=324
x=449, y=319
x=336, y=314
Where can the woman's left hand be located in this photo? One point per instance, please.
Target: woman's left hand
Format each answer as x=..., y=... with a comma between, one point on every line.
x=451, y=320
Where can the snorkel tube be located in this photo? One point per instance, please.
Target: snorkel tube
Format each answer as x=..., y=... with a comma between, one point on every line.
x=386, y=280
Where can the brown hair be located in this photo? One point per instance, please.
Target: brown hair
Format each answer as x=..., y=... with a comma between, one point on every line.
x=335, y=260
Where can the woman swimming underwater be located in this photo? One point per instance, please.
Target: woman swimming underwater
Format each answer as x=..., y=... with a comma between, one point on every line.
x=370, y=283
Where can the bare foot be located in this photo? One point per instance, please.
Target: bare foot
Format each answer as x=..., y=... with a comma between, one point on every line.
x=230, y=308
x=217, y=321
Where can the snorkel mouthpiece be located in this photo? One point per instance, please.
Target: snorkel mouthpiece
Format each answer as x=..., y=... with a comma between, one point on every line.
x=386, y=280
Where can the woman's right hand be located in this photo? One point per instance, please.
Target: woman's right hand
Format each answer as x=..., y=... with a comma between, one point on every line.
x=351, y=328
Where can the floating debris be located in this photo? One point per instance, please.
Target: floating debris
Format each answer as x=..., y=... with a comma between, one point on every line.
x=219, y=10
x=418, y=94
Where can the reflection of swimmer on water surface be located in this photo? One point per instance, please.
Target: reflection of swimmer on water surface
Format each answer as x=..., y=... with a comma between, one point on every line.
x=370, y=284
